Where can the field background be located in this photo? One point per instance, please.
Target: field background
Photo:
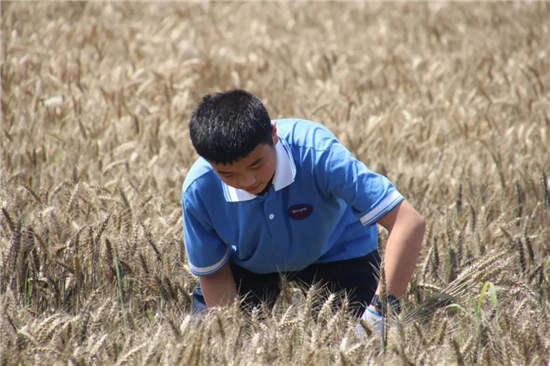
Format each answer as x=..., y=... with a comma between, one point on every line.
x=449, y=100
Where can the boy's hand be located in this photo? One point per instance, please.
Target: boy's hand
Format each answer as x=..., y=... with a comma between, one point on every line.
x=375, y=319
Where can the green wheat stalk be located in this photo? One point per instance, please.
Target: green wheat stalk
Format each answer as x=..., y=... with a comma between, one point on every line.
x=119, y=286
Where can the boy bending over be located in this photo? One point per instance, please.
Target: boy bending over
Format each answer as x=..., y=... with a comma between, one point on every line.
x=286, y=197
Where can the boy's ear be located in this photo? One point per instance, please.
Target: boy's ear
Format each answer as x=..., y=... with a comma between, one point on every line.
x=274, y=133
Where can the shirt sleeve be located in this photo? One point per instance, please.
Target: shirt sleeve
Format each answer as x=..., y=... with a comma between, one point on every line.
x=369, y=194
x=206, y=252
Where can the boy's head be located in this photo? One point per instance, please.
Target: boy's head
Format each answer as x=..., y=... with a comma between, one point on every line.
x=233, y=131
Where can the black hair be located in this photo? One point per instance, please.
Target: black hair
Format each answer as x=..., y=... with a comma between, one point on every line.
x=228, y=126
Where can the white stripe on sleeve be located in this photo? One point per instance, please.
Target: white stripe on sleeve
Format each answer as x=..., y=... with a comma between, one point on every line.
x=201, y=271
x=381, y=207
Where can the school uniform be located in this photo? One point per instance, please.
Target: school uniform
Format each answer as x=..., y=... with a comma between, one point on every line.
x=317, y=220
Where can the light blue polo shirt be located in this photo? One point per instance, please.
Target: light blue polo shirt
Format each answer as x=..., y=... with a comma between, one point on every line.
x=322, y=207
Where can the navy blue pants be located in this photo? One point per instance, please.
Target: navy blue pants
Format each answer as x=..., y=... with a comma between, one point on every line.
x=356, y=276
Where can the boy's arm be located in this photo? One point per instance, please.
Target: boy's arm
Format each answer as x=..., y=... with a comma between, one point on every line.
x=406, y=230
x=208, y=256
x=219, y=288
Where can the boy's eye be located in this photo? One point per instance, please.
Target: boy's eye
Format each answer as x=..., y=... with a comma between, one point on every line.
x=254, y=167
x=227, y=174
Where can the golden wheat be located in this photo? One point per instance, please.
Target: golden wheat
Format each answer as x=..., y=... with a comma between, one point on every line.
x=449, y=100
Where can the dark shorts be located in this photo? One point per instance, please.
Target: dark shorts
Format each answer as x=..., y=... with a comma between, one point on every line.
x=358, y=277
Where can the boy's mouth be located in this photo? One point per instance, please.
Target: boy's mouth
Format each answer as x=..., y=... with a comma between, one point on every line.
x=253, y=188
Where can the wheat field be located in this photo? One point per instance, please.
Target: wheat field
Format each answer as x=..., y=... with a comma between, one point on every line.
x=450, y=100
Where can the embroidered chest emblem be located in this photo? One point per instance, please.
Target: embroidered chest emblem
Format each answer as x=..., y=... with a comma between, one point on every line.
x=300, y=212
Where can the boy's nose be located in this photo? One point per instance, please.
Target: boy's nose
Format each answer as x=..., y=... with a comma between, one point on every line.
x=247, y=181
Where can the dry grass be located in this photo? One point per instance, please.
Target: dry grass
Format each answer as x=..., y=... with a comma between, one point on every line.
x=449, y=100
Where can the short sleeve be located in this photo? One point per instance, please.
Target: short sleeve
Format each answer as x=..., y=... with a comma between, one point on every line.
x=369, y=194
x=206, y=253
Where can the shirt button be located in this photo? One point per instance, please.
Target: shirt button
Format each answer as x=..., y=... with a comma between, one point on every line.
x=271, y=216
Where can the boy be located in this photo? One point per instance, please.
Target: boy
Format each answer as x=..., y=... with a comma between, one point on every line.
x=285, y=197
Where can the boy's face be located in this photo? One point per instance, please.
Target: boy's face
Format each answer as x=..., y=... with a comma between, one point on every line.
x=253, y=173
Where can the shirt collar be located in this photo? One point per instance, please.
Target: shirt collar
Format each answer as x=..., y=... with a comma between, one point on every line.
x=285, y=172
